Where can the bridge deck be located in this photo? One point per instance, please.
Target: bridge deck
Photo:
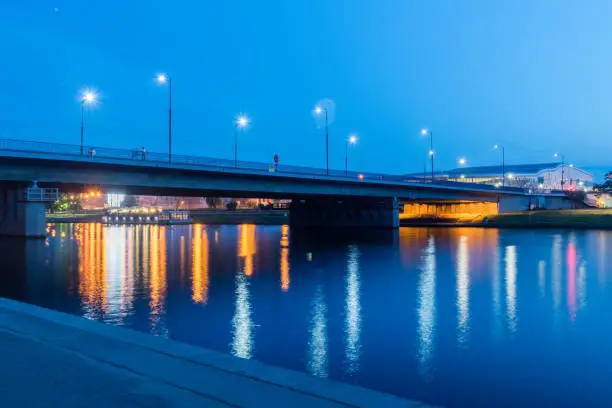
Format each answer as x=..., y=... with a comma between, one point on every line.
x=17, y=149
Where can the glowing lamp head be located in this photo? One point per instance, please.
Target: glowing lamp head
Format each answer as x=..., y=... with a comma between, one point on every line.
x=462, y=161
x=161, y=78
x=242, y=121
x=462, y=176
x=556, y=155
x=510, y=176
x=571, y=166
x=540, y=185
x=360, y=176
x=318, y=110
x=424, y=132
x=431, y=152
x=88, y=97
x=352, y=139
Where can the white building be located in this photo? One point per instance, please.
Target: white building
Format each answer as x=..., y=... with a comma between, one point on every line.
x=546, y=176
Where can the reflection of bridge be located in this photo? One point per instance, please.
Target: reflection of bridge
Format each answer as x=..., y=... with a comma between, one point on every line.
x=338, y=199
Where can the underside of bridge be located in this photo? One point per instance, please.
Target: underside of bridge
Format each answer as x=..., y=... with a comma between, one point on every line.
x=344, y=212
x=477, y=211
x=460, y=211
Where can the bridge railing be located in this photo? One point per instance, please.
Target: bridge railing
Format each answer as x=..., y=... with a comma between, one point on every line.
x=137, y=154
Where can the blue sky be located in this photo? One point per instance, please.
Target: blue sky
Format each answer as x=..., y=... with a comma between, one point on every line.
x=533, y=75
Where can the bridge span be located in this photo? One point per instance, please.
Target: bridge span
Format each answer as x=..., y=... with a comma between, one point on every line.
x=342, y=199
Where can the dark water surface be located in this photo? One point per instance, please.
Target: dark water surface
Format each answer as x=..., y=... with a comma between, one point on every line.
x=457, y=317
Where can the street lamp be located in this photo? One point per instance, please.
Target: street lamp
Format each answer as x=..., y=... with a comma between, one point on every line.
x=87, y=98
x=562, y=156
x=241, y=122
x=352, y=139
x=462, y=161
x=163, y=79
x=318, y=110
x=429, y=133
x=503, y=150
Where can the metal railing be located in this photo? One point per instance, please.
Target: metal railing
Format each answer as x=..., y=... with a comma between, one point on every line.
x=37, y=194
x=92, y=153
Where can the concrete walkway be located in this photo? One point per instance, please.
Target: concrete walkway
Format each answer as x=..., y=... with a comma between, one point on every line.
x=53, y=359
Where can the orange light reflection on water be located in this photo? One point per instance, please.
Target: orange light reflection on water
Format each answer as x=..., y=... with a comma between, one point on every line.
x=247, y=246
x=199, y=265
x=284, y=261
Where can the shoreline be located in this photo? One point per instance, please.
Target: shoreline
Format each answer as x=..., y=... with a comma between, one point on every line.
x=600, y=219
x=117, y=366
x=258, y=217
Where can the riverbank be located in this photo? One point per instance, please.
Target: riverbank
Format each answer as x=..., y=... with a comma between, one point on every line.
x=576, y=219
x=210, y=217
x=53, y=359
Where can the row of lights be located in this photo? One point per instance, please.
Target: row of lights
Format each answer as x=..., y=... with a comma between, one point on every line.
x=242, y=121
x=85, y=195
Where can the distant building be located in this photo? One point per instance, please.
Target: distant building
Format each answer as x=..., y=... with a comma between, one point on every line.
x=169, y=202
x=547, y=176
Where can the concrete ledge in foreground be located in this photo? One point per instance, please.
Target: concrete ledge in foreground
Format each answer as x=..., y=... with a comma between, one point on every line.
x=54, y=359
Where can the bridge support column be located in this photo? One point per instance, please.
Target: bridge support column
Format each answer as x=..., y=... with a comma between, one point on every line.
x=323, y=212
x=19, y=216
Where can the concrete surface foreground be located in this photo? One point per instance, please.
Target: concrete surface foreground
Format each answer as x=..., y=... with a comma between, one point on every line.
x=54, y=359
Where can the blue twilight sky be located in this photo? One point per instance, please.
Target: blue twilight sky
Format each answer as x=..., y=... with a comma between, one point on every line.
x=533, y=75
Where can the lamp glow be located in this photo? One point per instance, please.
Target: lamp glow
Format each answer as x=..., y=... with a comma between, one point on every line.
x=242, y=121
x=88, y=97
x=462, y=161
x=161, y=78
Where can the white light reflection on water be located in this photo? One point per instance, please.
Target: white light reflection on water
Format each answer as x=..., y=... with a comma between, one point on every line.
x=114, y=245
x=511, y=307
x=352, y=311
x=463, y=290
x=556, y=270
x=496, y=291
x=542, y=277
x=317, y=362
x=581, y=285
x=242, y=324
x=427, y=308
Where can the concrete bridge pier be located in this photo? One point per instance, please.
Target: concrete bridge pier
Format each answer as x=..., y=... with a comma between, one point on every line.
x=22, y=210
x=346, y=212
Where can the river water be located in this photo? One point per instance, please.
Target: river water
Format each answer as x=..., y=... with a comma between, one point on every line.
x=456, y=317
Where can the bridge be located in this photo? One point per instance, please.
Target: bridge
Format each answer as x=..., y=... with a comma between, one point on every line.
x=337, y=199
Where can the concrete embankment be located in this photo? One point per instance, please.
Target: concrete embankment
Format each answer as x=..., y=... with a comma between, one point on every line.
x=53, y=359
x=576, y=219
x=264, y=217
x=572, y=219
